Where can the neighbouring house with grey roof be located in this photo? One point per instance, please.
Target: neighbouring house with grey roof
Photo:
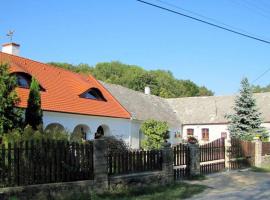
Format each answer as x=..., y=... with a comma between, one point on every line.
x=203, y=117
x=143, y=106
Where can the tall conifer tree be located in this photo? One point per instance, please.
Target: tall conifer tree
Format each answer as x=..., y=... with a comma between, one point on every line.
x=246, y=121
x=33, y=113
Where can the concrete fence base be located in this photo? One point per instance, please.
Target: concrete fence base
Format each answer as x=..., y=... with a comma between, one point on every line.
x=52, y=191
x=137, y=180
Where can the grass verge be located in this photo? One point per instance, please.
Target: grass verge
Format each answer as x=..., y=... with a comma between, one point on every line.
x=197, y=178
x=169, y=192
x=261, y=169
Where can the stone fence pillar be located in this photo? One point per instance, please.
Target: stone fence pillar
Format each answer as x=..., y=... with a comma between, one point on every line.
x=167, y=163
x=100, y=164
x=194, y=160
x=258, y=153
x=227, y=153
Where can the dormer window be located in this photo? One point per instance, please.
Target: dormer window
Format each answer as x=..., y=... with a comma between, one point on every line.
x=94, y=94
x=23, y=80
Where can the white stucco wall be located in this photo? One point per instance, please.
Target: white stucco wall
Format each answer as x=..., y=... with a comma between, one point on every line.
x=175, y=135
x=117, y=126
x=128, y=130
x=267, y=126
x=215, y=130
x=135, y=133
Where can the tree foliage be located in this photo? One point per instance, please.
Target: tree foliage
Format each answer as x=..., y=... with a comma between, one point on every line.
x=259, y=89
x=115, y=145
x=161, y=82
x=33, y=113
x=155, y=132
x=27, y=134
x=10, y=116
x=246, y=121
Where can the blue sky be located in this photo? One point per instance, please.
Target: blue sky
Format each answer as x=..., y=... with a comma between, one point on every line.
x=91, y=31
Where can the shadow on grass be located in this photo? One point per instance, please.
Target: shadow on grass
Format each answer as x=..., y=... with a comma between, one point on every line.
x=197, y=178
x=261, y=169
x=169, y=192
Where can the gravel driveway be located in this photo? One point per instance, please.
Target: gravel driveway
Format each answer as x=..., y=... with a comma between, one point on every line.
x=234, y=185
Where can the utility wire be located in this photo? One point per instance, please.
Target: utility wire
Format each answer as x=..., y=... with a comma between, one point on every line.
x=200, y=15
x=250, y=8
x=260, y=76
x=205, y=22
x=253, y=4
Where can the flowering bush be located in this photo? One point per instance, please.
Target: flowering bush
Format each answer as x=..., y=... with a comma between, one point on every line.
x=192, y=140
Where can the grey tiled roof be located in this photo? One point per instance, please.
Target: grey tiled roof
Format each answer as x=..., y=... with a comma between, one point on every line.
x=142, y=106
x=208, y=110
x=177, y=111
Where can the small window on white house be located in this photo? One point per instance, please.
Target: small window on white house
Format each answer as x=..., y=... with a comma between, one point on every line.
x=190, y=132
x=94, y=94
x=205, y=134
x=99, y=133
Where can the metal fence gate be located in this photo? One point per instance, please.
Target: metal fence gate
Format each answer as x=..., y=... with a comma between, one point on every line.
x=241, y=154
x=181, y=154
x=212, y=156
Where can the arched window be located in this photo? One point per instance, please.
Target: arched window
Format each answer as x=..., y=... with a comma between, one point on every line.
x=80, y=133
x=54, y=127
x=99, y=133
x=23, y=80
x=93, y=93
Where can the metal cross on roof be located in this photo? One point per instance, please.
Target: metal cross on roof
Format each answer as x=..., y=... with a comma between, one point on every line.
x=10, y=35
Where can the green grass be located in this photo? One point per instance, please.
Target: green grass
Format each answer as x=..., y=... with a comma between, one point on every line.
x=170, y=192
x=261, y=169
x=197, y=178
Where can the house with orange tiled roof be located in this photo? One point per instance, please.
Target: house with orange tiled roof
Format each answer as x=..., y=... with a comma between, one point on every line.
x=80, y=103
x=69, y=100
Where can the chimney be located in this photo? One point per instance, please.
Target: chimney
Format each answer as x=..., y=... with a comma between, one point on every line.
x=11, y=48
x=147, y=90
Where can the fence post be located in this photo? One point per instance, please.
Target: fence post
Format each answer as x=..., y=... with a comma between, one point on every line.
x=167, y=163
x=258, y=153
x=100, y=164
x=193, y=163
x=227, y=153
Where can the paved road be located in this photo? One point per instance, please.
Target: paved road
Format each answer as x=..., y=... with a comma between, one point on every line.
x=245, y=185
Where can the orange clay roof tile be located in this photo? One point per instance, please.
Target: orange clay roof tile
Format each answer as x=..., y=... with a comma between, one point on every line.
x=62, y=89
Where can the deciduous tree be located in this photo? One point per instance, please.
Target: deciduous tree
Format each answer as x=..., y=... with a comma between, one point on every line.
x=155, y=132
x=10, y=116
x=161, y=82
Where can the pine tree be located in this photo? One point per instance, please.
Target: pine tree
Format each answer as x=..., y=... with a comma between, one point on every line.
x=10, y=116
x=246, y=121
x=33, y=113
